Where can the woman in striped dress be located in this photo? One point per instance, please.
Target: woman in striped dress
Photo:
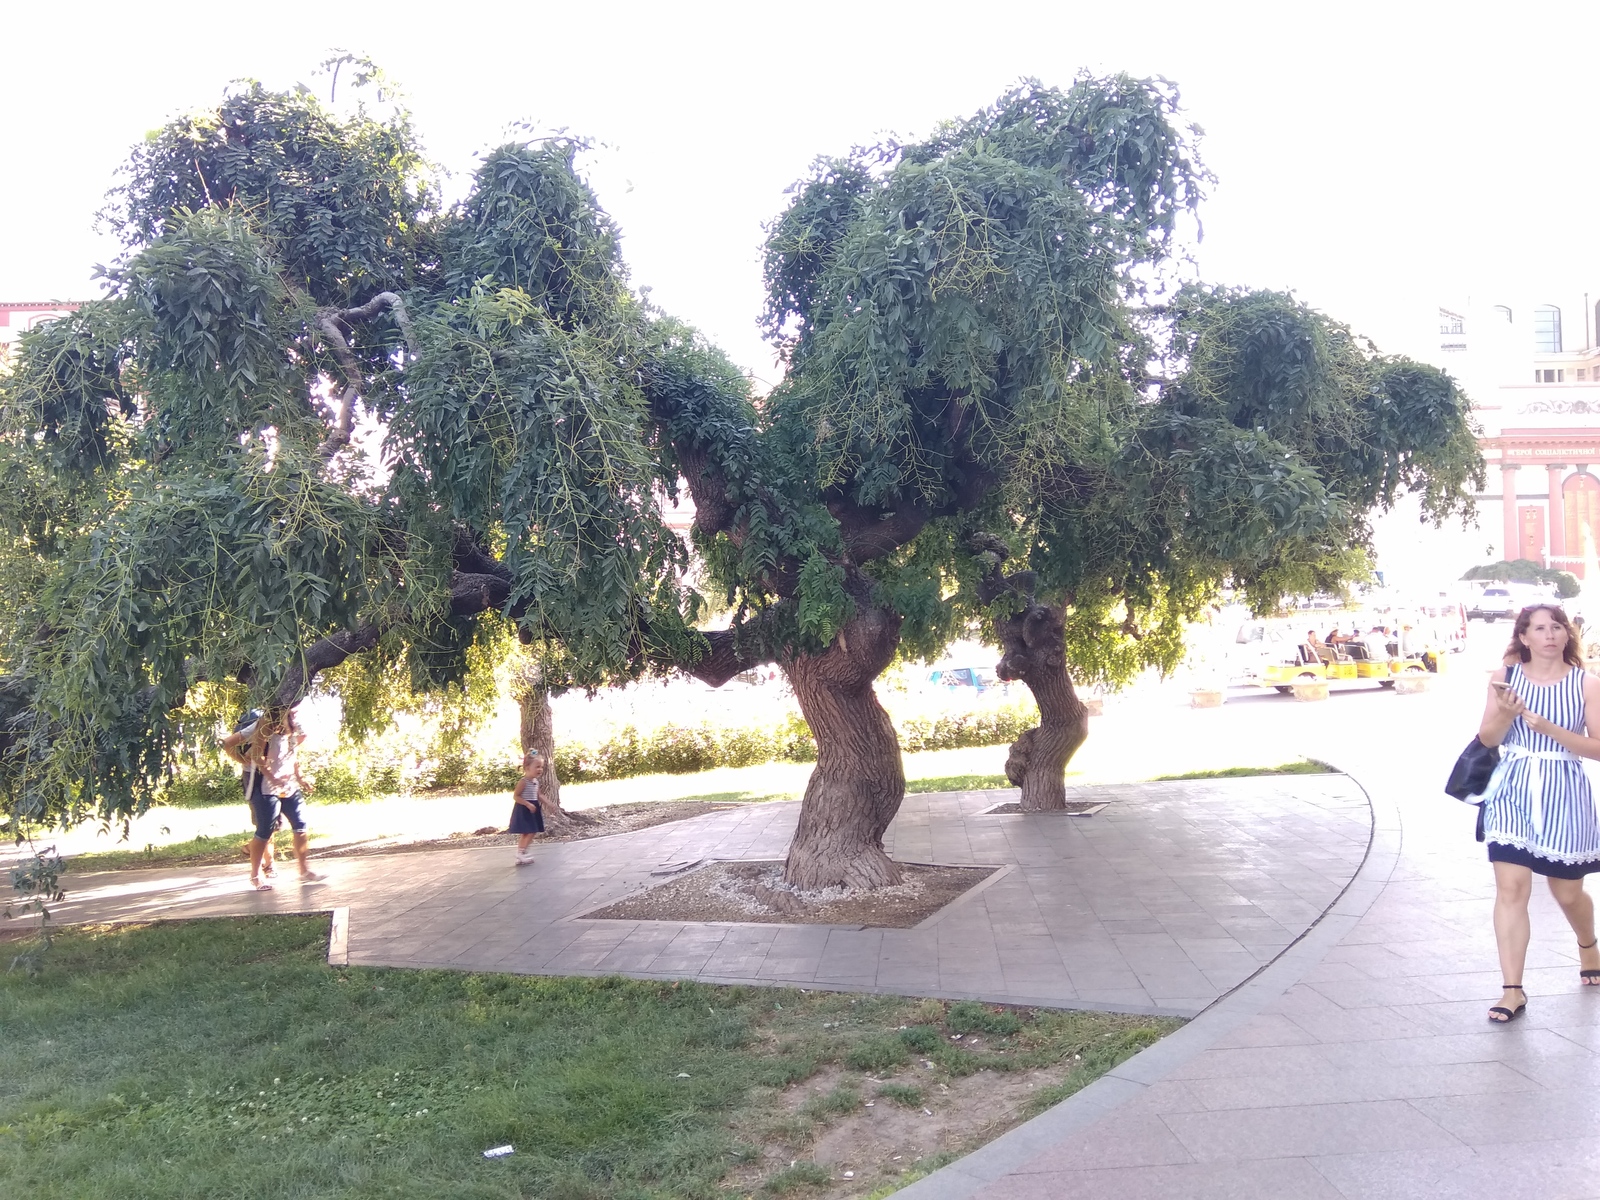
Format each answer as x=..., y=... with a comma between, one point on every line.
x=1539, y=813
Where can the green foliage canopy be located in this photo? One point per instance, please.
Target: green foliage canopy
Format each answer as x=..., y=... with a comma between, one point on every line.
x=317, y=414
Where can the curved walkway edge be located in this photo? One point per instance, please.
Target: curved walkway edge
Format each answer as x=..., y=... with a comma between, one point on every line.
x=1127, y=1081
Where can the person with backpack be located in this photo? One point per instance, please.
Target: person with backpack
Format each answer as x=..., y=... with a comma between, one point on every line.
x=278, y=790
x=232, y=746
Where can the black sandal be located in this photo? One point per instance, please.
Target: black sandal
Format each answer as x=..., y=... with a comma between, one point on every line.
x=1588, y=975
x=1511, y=1014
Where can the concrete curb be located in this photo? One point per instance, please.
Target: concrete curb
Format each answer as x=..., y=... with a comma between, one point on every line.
x=966, y=1176
x=339, y=937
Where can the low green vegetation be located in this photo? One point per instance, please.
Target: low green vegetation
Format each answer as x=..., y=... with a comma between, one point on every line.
x=956, y=783
x=1302, y=766
x=349, y=774
x=219, y=1058
x=902, y=1094
x=1525, y=570
x=195, y=852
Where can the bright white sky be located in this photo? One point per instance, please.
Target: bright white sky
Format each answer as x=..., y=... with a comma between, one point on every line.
x=1376, y=158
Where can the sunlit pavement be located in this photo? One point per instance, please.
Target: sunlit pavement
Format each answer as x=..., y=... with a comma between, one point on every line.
x=1360, y=1063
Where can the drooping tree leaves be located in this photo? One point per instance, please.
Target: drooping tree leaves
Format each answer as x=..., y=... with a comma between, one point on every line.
x=974, y=352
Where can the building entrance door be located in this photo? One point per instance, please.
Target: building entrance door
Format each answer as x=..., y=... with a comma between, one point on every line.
x=1530, y=533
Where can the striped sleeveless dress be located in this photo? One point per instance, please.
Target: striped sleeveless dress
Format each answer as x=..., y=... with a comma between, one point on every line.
x=1541, y=810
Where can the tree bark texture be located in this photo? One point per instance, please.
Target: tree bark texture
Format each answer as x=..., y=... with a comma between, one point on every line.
x=859, y=780
x=538, y=733
x=1033, y=649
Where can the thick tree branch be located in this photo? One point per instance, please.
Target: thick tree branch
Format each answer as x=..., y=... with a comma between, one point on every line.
x=869, y=532
x=468, y=553
x=332, y=322
x=472, y=593
x=323, y=655
x=749, y=644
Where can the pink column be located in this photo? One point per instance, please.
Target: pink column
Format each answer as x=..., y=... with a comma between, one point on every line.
x=1508, y=488
x=1558, y=513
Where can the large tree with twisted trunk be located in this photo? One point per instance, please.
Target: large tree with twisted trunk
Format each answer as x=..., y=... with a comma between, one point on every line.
x=319, y=418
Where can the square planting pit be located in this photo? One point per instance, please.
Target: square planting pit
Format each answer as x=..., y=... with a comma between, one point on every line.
x=1074, y=808
x=754, y=891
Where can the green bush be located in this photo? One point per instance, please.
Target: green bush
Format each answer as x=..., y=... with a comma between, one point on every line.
x=337, y=783
x=205, y=785
x=681, y=750
x=357, y=772
x=1525, y=570
x=968, y=1016
x=954, y=731
x=902, y=1094
x=842, y=1099
x=678, y=749
x=924, y=1039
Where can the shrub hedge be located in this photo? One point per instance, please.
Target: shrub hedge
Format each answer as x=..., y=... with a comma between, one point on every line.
x=347, y=774
x=676, y=750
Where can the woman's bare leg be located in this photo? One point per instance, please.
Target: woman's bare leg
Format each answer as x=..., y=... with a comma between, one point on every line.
x=1512, y=887
x=257, y=849
x=1578, y=907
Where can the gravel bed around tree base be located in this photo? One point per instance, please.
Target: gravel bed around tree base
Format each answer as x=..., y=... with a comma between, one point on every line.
x=755, y=892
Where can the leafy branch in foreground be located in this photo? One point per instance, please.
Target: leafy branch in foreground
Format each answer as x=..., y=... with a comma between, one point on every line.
x=38, y=878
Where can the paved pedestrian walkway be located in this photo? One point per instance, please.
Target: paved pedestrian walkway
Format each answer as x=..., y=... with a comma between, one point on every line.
x=1169, y=897
x=1359, y=1065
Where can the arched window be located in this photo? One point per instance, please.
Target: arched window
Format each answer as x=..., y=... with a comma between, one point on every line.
x=1547, y=329
x=1504, y=313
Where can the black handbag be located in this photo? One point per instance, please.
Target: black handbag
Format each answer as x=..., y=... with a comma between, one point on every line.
x=1469, y=778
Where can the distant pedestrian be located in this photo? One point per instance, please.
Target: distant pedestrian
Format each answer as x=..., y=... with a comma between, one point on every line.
x=527, y=814
x=1538, y=816
x=280, y=790
x=233, y=745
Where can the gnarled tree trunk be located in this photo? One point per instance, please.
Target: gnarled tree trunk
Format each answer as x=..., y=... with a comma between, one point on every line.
x=859, y=780
x=1033, y=649
x=538, y=733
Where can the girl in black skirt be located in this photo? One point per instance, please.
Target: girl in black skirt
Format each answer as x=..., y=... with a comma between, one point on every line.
x=527, y=818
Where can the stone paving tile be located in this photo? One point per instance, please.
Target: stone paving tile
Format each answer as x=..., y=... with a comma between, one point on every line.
x=1310, y=1129
x=1374, y=1083
x=1501, y=1117
x=1546, y=1170
x=1189, y=1181
x=1134, y=1140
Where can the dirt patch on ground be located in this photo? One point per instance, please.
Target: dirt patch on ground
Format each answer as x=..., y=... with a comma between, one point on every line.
x=755, y=892
x=886, y=1130
x=1074, y=808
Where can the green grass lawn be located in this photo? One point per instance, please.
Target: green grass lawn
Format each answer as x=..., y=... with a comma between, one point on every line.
x=226, y=1058
x=1301, y=766
x=196, y=851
